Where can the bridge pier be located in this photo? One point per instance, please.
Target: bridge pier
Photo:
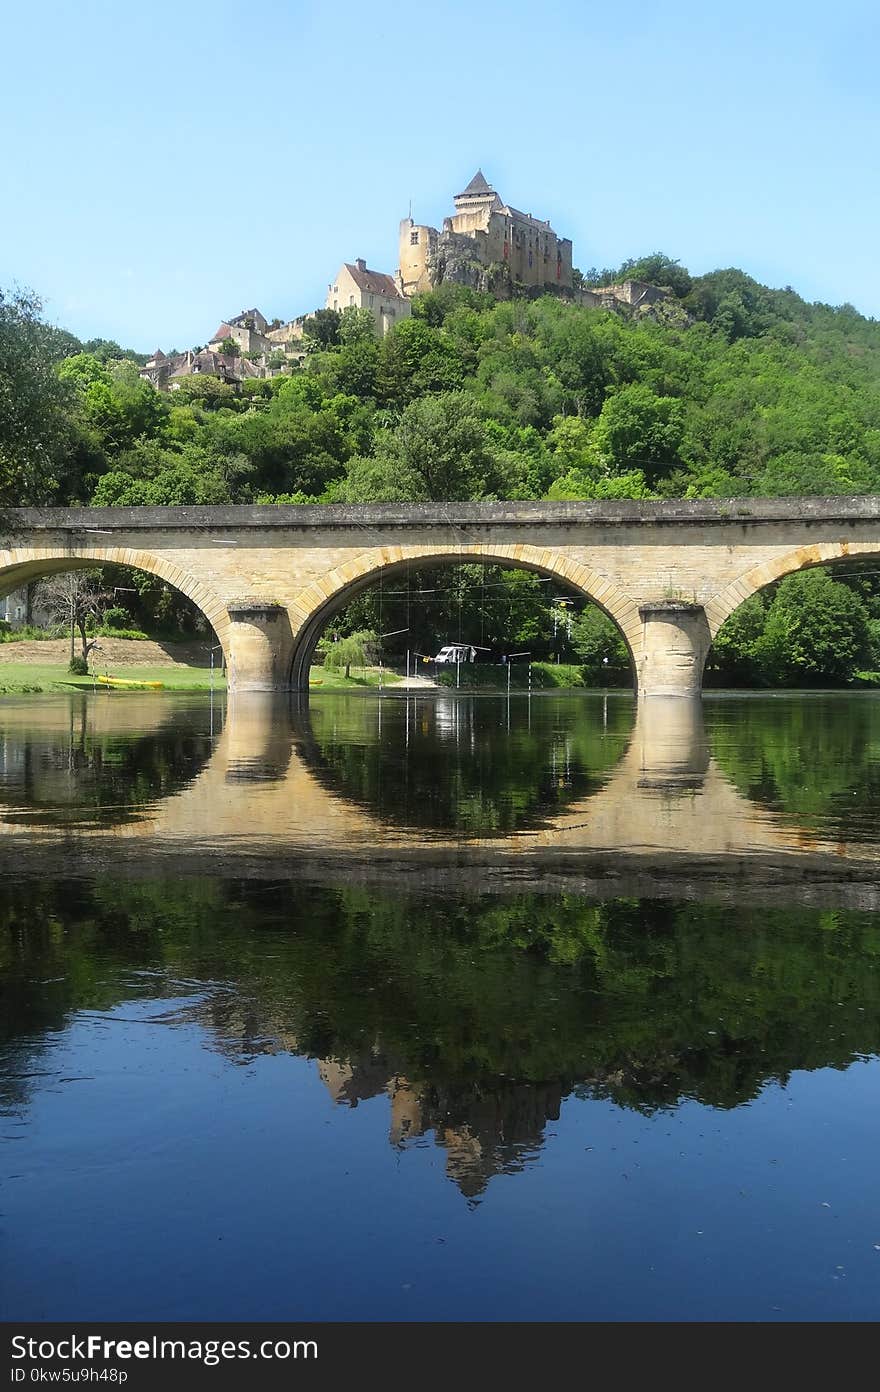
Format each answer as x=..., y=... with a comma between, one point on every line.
x=260, y=646
x=675, y=642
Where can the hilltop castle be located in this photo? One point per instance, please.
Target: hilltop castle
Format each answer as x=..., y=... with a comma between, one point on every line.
x=485, y=244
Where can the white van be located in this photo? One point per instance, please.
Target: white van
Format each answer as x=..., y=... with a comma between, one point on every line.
x=457, y=652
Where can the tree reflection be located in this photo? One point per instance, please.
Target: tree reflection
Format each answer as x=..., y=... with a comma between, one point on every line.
x=76, y=769
x=457, y=763
x=474, y=1016
x=813, y=758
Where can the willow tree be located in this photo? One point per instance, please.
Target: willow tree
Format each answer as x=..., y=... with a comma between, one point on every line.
x=355, y=650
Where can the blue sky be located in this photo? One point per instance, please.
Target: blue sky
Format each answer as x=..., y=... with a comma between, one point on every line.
x=167, y=166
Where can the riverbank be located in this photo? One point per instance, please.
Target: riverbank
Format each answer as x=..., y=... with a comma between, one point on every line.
x=39, y=665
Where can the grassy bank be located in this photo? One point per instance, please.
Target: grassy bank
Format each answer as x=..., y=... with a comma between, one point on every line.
x=332, y=679
x=21, y=678
x=545, y=676
x=49, y=676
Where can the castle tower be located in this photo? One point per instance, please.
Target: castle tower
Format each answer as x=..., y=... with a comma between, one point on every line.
x=478, y=197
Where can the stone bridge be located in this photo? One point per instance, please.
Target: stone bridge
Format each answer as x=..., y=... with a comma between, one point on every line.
x=269, y=579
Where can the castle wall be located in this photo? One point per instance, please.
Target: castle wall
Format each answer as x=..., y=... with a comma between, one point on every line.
x=481, y=233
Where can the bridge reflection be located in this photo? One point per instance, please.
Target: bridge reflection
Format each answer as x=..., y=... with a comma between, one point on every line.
x=601, y=789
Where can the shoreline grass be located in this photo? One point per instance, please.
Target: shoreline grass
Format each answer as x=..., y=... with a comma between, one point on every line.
x=35, y=678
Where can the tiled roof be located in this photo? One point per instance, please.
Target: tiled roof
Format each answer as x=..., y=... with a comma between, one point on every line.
x=374, y=282
x=527, y=217
x=208, y=363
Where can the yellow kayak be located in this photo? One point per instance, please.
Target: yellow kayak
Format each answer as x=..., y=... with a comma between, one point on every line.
x=123, y=681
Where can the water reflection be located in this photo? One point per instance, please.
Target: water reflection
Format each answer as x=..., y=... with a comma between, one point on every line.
x=375, y=993
x=85, y=763
x=790, y=789
x=447, y=764
x=473, y=1017
x=813, y=758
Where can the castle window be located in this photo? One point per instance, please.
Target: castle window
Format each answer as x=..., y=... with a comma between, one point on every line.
x=413, y=238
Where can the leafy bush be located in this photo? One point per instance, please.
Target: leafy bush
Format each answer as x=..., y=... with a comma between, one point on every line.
x=78, y=667
x=29, y=633
x=116, y=617
x=562, y=675
x=484, y=676
x=105, y=631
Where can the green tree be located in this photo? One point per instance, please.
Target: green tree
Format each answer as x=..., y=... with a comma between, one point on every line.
x=657, y=269
x=414, y=360
x=816, y=631
x=637, y=429
x=438, y=451
x=354, y=650
x=148, y=475
x=356, y=325
x=598, y=643
x=35, y=427
x=323, y=327
x=734, y=653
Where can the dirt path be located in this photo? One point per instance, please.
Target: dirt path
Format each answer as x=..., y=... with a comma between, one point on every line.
x=416, y=683
x=110, y=652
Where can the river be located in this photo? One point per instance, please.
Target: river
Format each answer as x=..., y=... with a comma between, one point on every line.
x=436, y=1008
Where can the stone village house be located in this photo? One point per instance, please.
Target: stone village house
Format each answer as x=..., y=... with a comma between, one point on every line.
x=357, y=287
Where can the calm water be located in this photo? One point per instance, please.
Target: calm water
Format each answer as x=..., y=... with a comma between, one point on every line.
x=440, y=1009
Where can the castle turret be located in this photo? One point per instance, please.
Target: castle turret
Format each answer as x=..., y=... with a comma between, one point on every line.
x=478, y=196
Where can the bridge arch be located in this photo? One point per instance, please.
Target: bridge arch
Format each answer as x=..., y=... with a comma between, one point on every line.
x=758, y=577
x=316, y=605
x=23, y=564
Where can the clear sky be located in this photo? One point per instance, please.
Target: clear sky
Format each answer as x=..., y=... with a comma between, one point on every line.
x=165, y=166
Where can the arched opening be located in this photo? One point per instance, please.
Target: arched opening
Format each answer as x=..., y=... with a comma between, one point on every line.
x=452, y=765
x=805, y=627
x=498, y=606
x=106, y=607
x=807, y=619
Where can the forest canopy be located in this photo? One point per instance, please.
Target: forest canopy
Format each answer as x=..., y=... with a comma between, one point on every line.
x=726, y=388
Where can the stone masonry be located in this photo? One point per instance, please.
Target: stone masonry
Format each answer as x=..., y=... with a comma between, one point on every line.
x=269, y=579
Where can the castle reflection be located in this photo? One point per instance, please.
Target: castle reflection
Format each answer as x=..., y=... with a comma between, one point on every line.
x=470, y=1018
